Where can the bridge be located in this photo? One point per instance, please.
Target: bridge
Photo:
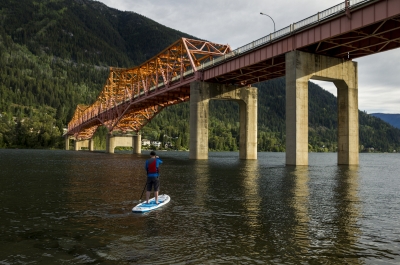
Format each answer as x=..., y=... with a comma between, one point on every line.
x=320, y=47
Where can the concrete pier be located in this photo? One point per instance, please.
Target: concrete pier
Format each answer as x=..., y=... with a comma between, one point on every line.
x=91, y=145
x=300, y=68
x=137, y=144
x=78, y=144
x=66, y=137
x=200, y=95
x=134, y=141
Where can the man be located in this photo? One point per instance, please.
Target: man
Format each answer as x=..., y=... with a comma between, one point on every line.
x=153, y=174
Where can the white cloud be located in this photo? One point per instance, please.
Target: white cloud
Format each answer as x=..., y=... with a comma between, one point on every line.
x=238, y=22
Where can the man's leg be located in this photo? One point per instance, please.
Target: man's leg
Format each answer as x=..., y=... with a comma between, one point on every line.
x=148, y=191
x=147, y=196
x=156, y=195
x=156, y=189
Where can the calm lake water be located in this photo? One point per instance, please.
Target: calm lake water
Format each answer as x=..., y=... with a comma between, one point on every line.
x=67, y=207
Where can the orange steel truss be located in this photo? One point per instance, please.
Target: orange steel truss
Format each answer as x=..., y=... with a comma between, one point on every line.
x=132, y=97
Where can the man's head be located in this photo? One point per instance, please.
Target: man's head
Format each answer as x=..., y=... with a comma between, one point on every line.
x=152, y=153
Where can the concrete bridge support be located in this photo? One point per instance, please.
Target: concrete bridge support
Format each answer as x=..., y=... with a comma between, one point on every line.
x=91, y=145
x=137, y=144
x=66, y=142
x=200, y=95
x=78, y=144
x=134, y=141
x=300, y=68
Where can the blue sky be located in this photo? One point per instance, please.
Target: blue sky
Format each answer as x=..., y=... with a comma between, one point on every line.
x=238, y=22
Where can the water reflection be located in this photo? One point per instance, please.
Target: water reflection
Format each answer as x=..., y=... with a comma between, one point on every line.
x=306, y=217
x=334, y=214
x=300, y=204
x=201, y=174
x=250, y=182
x=347, y=205
x=250, y=204
x=76, y=208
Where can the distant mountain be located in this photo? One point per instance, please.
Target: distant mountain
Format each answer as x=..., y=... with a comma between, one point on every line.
x=84, y=31
x=392, y=119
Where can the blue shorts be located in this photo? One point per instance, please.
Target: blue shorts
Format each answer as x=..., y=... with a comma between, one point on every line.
x=153, y=182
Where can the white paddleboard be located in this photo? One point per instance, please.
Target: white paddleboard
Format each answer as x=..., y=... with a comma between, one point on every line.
x=143, y=207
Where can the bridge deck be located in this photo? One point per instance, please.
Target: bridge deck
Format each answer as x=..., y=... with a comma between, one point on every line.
x=366, y=28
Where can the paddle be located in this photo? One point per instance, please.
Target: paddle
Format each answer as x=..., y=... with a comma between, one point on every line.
x=142, y=192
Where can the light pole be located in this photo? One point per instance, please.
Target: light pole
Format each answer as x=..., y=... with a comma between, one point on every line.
x=261, y=13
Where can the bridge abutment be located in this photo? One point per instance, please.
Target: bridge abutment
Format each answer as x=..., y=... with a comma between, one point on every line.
x=300, y=68
x=200, y=95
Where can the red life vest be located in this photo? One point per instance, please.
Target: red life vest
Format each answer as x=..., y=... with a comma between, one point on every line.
x=152, y=167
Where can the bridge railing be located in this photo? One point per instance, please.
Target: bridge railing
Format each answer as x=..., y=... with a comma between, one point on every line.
x=317, y=18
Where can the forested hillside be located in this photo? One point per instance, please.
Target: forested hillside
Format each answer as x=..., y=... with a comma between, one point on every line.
x=55, y=54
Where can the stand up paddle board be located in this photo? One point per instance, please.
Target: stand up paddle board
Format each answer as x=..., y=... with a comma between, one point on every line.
x=143, y=207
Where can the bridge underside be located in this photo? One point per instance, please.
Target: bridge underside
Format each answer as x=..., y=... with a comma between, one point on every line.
x=363, y=32
x=134, y=114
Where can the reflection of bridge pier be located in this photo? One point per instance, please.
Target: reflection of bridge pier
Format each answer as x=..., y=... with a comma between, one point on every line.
x=347, y=203
x=200, y=95
x=300, y=68
x=325, y=215
x=301, y=205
